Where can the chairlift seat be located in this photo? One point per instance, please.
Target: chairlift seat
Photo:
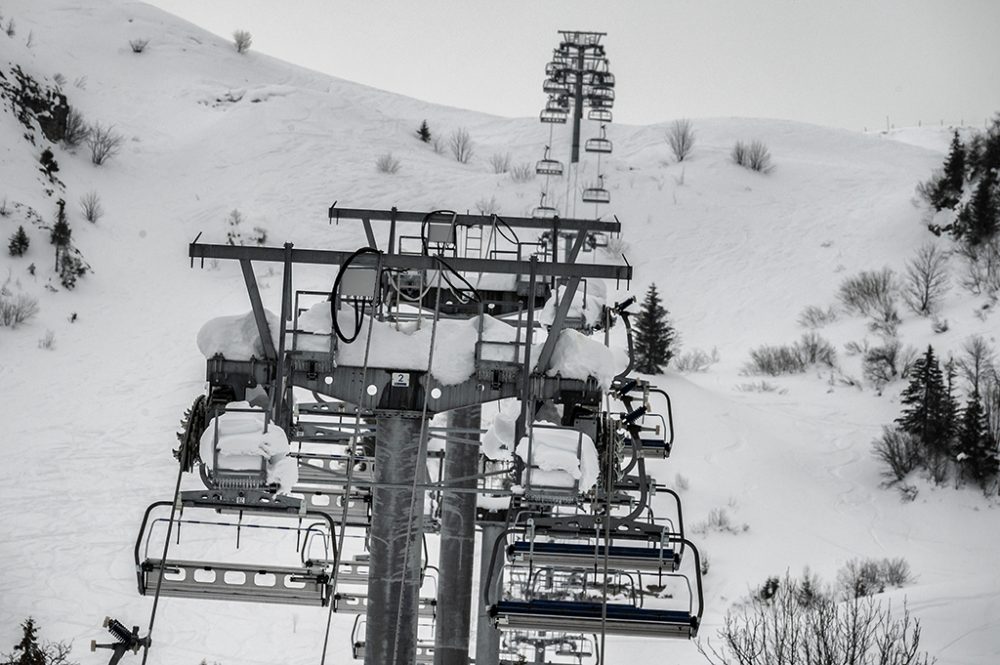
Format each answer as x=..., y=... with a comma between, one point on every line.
x=548, y=167
x=600, y=144
x=558, y=117
x=357, y=603
x=585, y=617
x=599, y=114
x=596, y=195
x=240, y=582
x=589, y=554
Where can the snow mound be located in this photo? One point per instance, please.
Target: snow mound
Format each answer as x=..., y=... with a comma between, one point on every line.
x=236, y=337
x=498, y=441
x=577, y=356
x=558, y=457
x=588, y=302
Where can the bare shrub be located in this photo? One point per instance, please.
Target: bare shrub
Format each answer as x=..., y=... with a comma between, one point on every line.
x=138, y=45
x=976, y=362
x=760, y=387
x=242, y=40
x=696, y=360
x=77, y=130
x=982, y=267
x=886, y=321
x=866, y=577
x=500, y=162
x=718, y=520
x=523, y=172
x=104, y=143
x=881, y=364
x=682, y=483
x=48, y=341
x=899, y=451
x=804, y=627
x=926, y=280
x=815, y=350
x=10, y=29
x=437, y=145
x=617, y=247
x=868, y=292
x=461, y=145
x=90, y=206
x=386, y=163
x=15, y=310
x=4, y=208
x=817, y=317
x=680, y=138
x=775, y=360
x=754, y=156
x=487, y=206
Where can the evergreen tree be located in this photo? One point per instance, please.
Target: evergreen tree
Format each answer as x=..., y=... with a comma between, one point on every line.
x=61, y=233
x=976, y=450
x=655, y=337
x=18, y=242
x=424, y=133
x=929, y=407
x=949, y=188
x=982, y=218
x=27, y=651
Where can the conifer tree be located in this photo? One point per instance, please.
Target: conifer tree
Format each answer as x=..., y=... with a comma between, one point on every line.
x=975, y=449
x=424, y=133
x=61, y=232
x=949, y=187
x=654, y=335
x=28, y=651
x=929, y=407
x=18, y=242
x=982, y=218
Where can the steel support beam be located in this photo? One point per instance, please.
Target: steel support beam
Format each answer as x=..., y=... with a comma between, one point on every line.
x=458, y=543
x=258, y=307
x=487, y=636
x=395, y=542
x=566, y=224
x=411, y=261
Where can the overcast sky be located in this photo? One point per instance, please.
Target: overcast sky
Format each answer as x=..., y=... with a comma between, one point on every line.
x=846, y=63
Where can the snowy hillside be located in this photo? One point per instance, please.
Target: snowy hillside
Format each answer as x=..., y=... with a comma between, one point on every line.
x=737, y=255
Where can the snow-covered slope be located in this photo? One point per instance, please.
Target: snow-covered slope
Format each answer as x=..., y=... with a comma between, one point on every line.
x=737, y=255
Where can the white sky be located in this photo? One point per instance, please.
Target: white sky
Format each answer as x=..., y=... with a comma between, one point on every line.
x=847, y=63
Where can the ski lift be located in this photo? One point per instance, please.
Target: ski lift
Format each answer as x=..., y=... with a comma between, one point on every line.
x=548, y=166
x=600, y=144
x=555, y=117
x=553, y=87
x=308, y=584
x=543, y=211
x=599, y=114
x=597, y=193
x=602, y=92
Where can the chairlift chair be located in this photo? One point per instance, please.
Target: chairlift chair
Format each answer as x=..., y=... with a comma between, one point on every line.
x=602, y=92
x=600, y=144
x=601, y=115
x=554, y=87
x=548, y=166
x=554, y=117
x=543, y=211
x=597, y=193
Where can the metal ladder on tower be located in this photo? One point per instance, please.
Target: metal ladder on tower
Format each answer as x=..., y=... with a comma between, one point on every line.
x=474, y=241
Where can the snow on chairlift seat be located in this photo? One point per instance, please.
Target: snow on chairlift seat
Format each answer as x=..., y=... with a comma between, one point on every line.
x=586, y=617
x=242, y=448
x=559, y=463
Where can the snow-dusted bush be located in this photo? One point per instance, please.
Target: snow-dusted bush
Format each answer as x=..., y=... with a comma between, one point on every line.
x=882, y=364
x=760, y=387
x=754, y=156
x=104, y=143
x=982, y=267
x=680, y=138
x=242, y=40
x=775, y=360
x=500, y=162
x=523, y=172
x=487, y=206
x=4, y=208
x=77, y=130
x=15, y=310
x=90, y=206
x=47, y=341
x=718, y=520
x=816, y=350
x=977, y=363
x=926, y=280
x=794, y=626
x=817, y=317
x=461, y=145
x=386, y=163
x=899, y=451
x=885, y=321
x=869, y=292
x=866, y=577
x=138, y=45
x=696, y=360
